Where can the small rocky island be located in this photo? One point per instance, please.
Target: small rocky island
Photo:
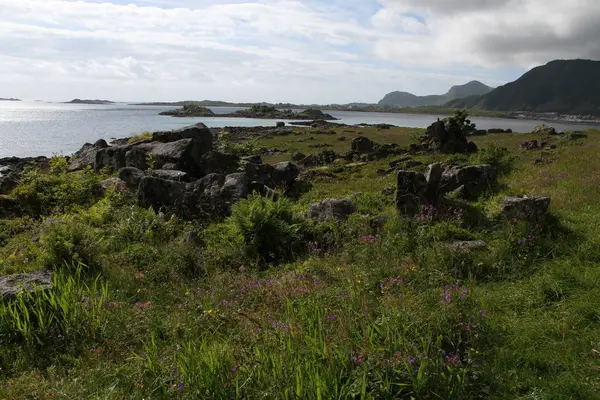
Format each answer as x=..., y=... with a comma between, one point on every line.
x=88, y=101
x=259, y=112
x=9, y=99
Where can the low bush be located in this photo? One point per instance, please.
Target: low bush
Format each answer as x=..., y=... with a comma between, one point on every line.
x=43, y=192
x=271, y=230
x=68, y=241
x=498, y=157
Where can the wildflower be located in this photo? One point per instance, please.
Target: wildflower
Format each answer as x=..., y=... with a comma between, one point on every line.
x=143, y=305
x=242, y=268
x=358, y=358
x=483, y=313
x=453, y=360
x=258, y=331
x=332, y=317
x=112, y=305
x=410, y=360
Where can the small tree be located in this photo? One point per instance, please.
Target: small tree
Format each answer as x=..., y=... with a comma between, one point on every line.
x=460, y=121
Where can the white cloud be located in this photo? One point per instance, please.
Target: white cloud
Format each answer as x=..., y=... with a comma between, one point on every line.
x=278, y=50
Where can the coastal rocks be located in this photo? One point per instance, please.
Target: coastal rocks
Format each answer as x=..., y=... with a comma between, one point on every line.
x=499, y=130
x=87, y=155
x=131, y=176
x=12, y=285
x=336, y=209
x=161, y=194
x=528, y=208
x=215, y=162
x=199, y=132
x=544, y=130
x=363, y=144
x=468, y=182
x=11, y=170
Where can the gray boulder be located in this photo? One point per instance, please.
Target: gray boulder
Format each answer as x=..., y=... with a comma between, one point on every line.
x=528, y=208
x=131, y=176
x=475, y=179
x=285, y=173
x=12, y=285
x=337, y=209
x=215, y=162
x=363, y=144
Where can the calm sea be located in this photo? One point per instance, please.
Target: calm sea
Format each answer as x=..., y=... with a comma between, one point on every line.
x=33, y=129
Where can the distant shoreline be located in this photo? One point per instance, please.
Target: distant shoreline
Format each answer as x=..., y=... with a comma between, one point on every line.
x=9, y=99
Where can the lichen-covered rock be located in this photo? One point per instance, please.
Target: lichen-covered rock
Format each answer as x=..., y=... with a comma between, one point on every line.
x=12, y=285
x=336, y=209
x=411, y=192
x=528, y=208
x=475, y=179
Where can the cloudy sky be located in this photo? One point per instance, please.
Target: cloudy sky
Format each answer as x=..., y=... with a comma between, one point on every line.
x=301, y=51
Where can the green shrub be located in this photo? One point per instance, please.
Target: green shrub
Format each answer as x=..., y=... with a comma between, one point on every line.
x=498, y=157
x=242, y=149
x=68, y=241
x=140, y=137
x=56, y=190
x=271, y=230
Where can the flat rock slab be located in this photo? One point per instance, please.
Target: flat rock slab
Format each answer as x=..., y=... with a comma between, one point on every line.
x=467, y=246
x=12, y=285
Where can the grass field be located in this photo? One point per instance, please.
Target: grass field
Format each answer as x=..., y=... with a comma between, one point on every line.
x=147, y=307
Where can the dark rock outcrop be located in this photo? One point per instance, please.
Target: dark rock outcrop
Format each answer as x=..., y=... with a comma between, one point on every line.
x=215, y=162
x=11, y=170
x=447, y=139
x=337, y=209
x=411, y=192
x=12, y=285
x=87, y=155
x=284, y=174
x=363, y=144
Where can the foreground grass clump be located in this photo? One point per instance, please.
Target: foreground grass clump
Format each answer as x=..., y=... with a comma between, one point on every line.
x=265, y=304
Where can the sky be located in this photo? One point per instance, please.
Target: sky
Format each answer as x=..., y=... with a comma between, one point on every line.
x=298, y=51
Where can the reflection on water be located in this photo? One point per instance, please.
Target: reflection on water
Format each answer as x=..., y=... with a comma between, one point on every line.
x=32, y=129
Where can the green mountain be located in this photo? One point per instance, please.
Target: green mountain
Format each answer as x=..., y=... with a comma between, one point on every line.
x=404, y=99
x=562, y=86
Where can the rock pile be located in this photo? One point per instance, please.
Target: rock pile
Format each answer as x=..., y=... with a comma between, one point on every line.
x=11, y=169
x=415, y=189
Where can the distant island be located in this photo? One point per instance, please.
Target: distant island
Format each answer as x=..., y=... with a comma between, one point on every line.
x=256, y=111
x=87, y=101
x=9, y=99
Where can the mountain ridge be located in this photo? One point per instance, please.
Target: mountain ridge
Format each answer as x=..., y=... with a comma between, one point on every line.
x=406, y=99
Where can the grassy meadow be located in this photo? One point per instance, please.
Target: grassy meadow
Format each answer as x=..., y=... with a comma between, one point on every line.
x=268, y=305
